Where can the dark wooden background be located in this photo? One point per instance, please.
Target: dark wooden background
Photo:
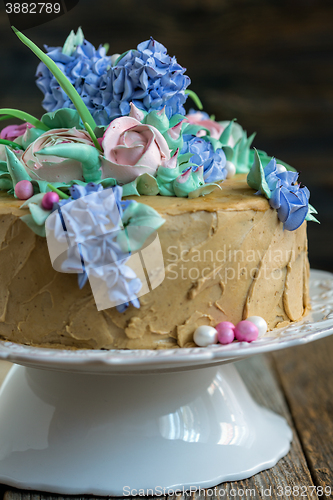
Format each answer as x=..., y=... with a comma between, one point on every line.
x=268, y=63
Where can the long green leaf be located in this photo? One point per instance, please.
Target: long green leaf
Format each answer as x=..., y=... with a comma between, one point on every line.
x=12, y=144
x=194, y=98
x=22, y=115
x=61, y=79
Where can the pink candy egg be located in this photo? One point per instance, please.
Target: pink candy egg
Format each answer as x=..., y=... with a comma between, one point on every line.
x=49, y=199
x=225, y=332
x=245, y=331
x=24, y=190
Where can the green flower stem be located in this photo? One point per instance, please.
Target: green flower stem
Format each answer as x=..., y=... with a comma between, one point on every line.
x=5, y=117
x=60, y=193
x=16, y=113
x=61, y=79
x=194, y=98
x=93, y=137
x=12, y=144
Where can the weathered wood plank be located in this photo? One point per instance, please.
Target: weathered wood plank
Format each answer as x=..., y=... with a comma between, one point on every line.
x=291, y=471
x=306, y=375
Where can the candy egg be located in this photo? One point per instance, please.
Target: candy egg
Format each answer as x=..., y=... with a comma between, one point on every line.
x=280, y=168
x=225, y=332
x=245, y=331
x=230, y=168
x=260, y=324
x=24, y=190
x=205, y=335
x=49, y=199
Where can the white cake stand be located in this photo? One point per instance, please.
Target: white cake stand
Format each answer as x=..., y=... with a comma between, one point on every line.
x=116, y=422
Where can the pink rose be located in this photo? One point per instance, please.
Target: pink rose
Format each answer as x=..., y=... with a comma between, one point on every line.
x=200, y=118
x=11, y=132
x=53, y=168
x=132, y=149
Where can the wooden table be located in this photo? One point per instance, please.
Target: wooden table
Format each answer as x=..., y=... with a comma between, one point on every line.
x=298, y=384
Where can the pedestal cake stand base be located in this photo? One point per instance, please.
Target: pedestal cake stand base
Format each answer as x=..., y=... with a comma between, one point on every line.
x=109, y=434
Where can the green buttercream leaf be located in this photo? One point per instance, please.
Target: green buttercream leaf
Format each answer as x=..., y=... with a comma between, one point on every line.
x=229, y=152
x=165, y=174
x=99, y=130
x=16, y=168
x=185, y=158
x=312, y=209
x=311, y=218
x=194, y=180
x=225, y=136
x=215, y=142
x=38, y=213
x=144, y=184
x=62, y=118
x=109, y=182
x=147, y=185
x=29, y=221
x=72, y=41
x=30, y=136
x=166, y=189
x=157, y=119
x=173, y=144
x=256, y=177
x=175, y=119
x=5, y=182
x=130, y=189
x=3, y=167
x=86, y=154
x=40, y=186
x=192, y=129
x=140, y=221
x=69, y=46
x=203, y=190
x=36, y=198
x=265, y=159
x=16, y=113
x=61, y=79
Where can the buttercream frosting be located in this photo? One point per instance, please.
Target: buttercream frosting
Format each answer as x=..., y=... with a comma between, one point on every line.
x=226, y=257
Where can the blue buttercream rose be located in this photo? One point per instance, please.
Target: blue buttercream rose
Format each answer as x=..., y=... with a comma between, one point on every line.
x=214, y=162
x=287, y=196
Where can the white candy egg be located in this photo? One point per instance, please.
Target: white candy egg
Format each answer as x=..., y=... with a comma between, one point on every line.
x=280, y=168
x=260, y=324
x=230, y=168
x=205, y=335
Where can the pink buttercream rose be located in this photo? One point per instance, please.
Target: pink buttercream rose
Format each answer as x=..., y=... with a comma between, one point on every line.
x=132, y=149
x=199, y=118
x=53, y=168
x=11, y=132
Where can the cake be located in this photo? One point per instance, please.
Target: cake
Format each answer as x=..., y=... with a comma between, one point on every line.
x=217, y=230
